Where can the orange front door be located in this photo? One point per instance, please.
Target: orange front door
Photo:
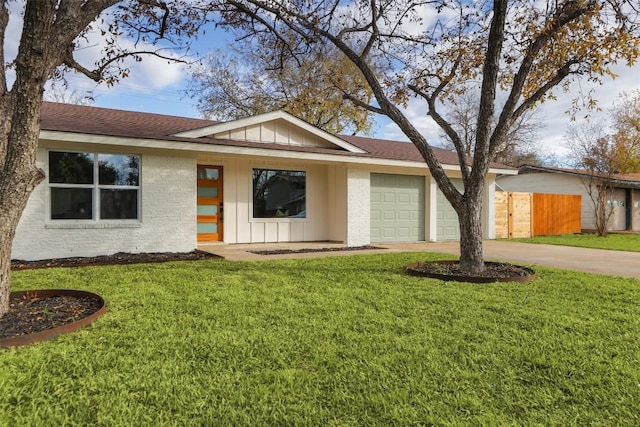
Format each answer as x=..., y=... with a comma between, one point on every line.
x=209, y=203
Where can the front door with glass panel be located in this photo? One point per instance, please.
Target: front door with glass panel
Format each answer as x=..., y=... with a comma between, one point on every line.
x=209, y=203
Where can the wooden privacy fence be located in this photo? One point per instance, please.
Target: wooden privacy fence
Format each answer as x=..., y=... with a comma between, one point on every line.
x=536, y=214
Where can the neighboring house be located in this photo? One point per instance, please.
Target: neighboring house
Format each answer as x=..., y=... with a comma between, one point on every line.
x=137, y=182
x=539, y=179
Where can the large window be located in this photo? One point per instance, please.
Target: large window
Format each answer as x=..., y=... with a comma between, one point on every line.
x=279, y=194
x=94, y=186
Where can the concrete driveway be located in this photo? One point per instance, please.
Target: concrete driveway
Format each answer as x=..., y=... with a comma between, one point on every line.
x=600, y=261
x=615, y=263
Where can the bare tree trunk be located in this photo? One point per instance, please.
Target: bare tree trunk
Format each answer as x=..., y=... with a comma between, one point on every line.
x=18, y=177
x=20, y=112
x=471, y=250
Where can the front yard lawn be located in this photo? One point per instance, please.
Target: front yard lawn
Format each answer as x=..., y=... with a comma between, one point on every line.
x=616, y=242
x=340, y=341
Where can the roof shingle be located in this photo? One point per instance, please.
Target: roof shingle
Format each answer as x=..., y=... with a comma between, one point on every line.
x=133, y=124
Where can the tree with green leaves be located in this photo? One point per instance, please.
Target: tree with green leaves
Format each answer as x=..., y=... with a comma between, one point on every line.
x=429, y=51
x=52, y=33
x=242, y=84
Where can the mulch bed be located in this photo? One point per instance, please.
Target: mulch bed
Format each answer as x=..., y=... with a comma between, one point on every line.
x=312, y=250
x=31, y=315
x=493, y=272
x=115, y=259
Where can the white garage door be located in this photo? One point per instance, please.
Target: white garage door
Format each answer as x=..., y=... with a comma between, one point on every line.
x=447, y=227
x=397, y=208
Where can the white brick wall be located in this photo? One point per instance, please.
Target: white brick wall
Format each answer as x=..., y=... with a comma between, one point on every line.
x=168, y=217
x=358, y=207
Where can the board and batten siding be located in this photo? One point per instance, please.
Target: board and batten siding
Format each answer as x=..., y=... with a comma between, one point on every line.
x=275, y=132
x=167, y=215
x=239, y=224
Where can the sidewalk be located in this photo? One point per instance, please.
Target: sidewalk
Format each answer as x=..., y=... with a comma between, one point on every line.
x=615, y=263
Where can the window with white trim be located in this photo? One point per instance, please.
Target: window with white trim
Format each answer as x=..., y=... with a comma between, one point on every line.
x=279, y=193
x=94, y=186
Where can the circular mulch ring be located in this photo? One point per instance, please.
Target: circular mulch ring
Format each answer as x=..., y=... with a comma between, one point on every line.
x=75, y=309
x=450, y=271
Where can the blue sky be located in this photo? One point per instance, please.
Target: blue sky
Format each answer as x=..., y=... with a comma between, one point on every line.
x=156, y=86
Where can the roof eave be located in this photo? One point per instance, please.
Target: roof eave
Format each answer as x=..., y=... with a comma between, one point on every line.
x=234, y=150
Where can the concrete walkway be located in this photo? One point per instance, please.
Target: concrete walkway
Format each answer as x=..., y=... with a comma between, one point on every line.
x=616, y=263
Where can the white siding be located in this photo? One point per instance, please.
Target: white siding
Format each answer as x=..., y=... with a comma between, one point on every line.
x=337, y=203
x=358, y=199
x=276, y=132
x=489, y=211
x=168, y=221
x=239, y=224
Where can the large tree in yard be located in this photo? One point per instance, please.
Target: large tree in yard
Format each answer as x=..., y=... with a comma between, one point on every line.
x=412, y=51
x=52, y=32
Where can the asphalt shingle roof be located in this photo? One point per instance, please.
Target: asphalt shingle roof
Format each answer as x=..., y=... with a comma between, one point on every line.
x=132, y=124
x=528, y=169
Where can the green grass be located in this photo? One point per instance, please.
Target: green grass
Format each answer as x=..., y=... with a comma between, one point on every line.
x=616, y=242
x=341, y=341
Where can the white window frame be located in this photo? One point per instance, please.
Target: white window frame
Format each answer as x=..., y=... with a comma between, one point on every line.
x=253, y=219
x=95, y=187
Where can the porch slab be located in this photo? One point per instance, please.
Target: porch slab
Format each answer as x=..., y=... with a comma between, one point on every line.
x=244, y=251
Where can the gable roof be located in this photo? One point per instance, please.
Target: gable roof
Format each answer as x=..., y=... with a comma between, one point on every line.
x=632, y=179
x=98, y=121
x=214, y=129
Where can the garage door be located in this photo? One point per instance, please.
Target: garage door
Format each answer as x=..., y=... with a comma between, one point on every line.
x=397, y=208
x=447, y=227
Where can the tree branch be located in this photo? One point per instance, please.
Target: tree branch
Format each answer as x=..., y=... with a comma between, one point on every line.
x=568, y=12
x=447, y=128
x=98, y=74
x=361, y=104
x=562, y=73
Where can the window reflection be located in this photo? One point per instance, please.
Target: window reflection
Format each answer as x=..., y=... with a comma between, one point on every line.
x=279, y=194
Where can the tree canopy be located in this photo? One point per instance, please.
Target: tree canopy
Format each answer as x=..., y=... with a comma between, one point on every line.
x=240, y=82
x=626, y=131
